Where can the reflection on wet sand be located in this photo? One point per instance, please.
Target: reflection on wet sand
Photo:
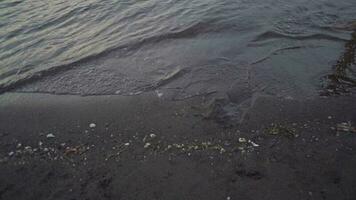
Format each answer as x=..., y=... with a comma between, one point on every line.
x=343, y=77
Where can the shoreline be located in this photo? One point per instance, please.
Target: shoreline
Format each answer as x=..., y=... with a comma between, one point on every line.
x=146, y=147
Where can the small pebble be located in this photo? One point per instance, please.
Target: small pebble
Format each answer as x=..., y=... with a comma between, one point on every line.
x=147, y=145
x=50, y=135
x=127, y=144
x=11, y=153
x=92, y=125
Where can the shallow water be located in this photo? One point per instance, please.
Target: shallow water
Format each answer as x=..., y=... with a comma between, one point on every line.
x=181, y=48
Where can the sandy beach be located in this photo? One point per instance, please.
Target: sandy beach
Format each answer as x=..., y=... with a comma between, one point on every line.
x=145, y=147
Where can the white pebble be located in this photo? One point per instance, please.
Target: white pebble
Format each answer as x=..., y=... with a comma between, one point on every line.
x=92, y=125
x=147, y=145
x=11, y=153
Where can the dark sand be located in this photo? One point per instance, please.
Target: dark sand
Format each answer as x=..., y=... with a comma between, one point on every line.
x=192, y=153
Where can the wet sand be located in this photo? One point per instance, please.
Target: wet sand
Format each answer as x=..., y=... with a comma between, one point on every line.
x=146, y=147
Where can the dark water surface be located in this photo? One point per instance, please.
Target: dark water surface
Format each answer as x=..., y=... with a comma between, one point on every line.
x=180, y=48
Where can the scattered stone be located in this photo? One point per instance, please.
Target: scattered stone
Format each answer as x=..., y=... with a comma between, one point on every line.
x=329, y=117
x=127, y=144
x=153, y=135
x=11, y=153
x=45, y=150
x=50, y=135
x=92, y=125
x=18, y=145
x=40, y=143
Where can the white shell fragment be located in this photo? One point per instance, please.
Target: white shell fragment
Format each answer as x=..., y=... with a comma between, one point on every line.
x=253, y=144
x=242, y=140
x=50, y=135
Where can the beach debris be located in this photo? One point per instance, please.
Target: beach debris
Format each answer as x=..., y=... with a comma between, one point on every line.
x=282, y=130
x=242, y=140
x=153, y=135
x=74, y=150
x=345, y=127
x=127, y=144
x=11, y=153
x=18, y=145
x=50, y=135
x=92, y=125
